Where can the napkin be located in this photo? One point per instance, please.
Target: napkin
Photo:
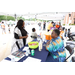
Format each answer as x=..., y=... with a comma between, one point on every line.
x=25, y=48
x=31, y=59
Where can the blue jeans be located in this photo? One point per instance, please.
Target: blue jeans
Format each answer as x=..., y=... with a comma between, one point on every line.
x=51, y=59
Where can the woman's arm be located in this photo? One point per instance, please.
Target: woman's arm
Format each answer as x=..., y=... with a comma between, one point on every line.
x=49, y=47
x=23, y=37
x=17, y=37
x=46, y=49
x=48, y=43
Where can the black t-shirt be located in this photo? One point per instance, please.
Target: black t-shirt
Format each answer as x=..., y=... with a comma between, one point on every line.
x=24, y=33
x=44, y=24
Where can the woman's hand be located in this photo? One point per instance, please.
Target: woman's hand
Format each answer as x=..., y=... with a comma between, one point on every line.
x=25, y=36
x=46, y=49
x=48, y=43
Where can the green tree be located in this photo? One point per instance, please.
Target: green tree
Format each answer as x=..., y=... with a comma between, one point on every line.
x=10, y=18
x=3, y=17
x=18, y=18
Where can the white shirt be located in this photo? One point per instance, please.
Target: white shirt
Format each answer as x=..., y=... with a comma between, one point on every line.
x=34, y=34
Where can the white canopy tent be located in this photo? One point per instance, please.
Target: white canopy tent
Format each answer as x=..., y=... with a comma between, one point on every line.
x=43, y=16
x=54, y=16
x=1, y=13
x=47, y=15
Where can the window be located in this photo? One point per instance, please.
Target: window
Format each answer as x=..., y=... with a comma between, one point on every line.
x=74, y=18
x=69, y=15
x=74, y=22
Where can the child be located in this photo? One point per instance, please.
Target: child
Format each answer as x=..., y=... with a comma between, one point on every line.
x=3, y=28
x=34, y=34
x=39, y=24
x=40, y=27
x=9, y=28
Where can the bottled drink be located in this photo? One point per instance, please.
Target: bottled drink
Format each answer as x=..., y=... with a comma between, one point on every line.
x=13, y=60
x=32, y=52
x=40, y=45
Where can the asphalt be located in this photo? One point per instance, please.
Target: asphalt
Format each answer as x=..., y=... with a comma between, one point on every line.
x=6, y=39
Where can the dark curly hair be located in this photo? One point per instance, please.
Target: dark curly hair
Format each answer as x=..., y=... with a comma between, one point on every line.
x=57, y=32
x=33, y=29
x=20, y=24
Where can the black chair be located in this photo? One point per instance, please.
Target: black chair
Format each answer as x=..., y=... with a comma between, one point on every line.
x=73, y=35
x=70, y=43
x=73, y=59
x=71, y=51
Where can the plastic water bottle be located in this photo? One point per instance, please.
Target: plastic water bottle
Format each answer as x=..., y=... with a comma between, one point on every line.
x=13, y=60
x=27, y=53
x=44, y=38
x=40, y=45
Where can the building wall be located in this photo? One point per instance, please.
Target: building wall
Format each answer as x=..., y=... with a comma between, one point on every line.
x=73, y=16
x=67, y=18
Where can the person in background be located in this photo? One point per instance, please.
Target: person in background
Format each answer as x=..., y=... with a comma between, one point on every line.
x=53, y=24
x=69, y=35
x=62, y=33
x=20, y=36
x=9, y=28
x=40, y=26
x=60, y=23
x=44, y=25
x=39, y=23
x=0, y=25
x=57, y=26
x=49, y=26
x=3, y=28
x=56, y=47
x=65, y=33
x=34, y=34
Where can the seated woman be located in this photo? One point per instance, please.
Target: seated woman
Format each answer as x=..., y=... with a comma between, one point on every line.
x=56, y=47
x=34, y=34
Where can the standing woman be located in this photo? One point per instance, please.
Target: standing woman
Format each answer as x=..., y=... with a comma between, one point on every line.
x=20, y=36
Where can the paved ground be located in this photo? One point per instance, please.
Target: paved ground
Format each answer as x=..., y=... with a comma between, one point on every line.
x=6, y=39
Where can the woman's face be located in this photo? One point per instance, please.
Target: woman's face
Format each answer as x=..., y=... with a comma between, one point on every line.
x=23, y=24
x=53, y=35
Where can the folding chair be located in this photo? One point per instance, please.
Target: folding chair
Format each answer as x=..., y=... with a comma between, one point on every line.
x=71, y=51
x=73, y=59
